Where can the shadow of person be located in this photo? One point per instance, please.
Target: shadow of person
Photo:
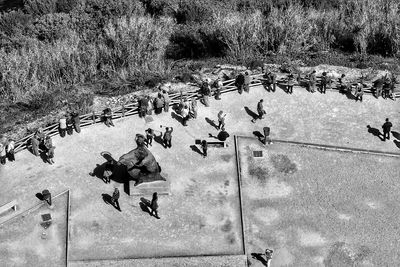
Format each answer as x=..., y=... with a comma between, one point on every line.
x=397, y=143
x=349, y=95
x=196, y=149
x=106, y=198
x=158, y=139
x=282, y=86
x=211, y=122
x=119, y=172
x=258, y=134
x=39, y=196
x=145, y=205
x=396, y=135
x=375, y=132
x=175, y=116
x=260, y=258
x=251, y=113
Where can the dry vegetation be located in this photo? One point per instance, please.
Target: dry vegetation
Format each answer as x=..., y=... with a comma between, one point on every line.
x=48, y=47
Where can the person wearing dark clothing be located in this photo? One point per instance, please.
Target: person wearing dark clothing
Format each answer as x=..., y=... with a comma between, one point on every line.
x=62, y=126
x=222, y=135
x=343, y=84
x=239, y=82
x=260, y=111
x=114, y=199
x=167, y=138
x=10, y=150
x=149, y=137
x=154, y=205
x=46, y=195
x=159, y=104
x=290, y=83
x=270, y=79
x=35, y=145
x=378, y=85
x=386, y=129
x=76, y=121
x=206, y=92
x=266, y=139
x=107, y=115
x=247, y=81
x=218, y=87
x=325, y=82
x=70, y=125
x=204, y=146
x=143, y=106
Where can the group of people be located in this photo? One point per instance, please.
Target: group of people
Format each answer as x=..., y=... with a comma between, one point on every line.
x=148, y=104
x=68, y=122
x=383, y=86
x=7, y=146
x=42, y=144
x=166, y=137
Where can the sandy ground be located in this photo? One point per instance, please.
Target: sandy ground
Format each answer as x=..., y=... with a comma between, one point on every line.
x=331, y=209
x=201, y=215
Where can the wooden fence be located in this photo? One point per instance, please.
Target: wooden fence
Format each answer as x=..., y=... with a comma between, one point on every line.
x=132, y=108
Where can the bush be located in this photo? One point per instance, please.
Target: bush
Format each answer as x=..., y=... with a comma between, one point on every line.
x=40, y=7
x=194, y=11
x=13, y=29
x=52, y=27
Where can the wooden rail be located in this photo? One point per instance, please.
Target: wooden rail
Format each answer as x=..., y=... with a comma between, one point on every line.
x=132, y=108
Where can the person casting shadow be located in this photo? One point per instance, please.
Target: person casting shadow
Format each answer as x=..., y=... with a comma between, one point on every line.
x=375, y=132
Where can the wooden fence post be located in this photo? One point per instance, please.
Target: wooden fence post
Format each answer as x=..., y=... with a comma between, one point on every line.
x=94, y=117
x=123, y=110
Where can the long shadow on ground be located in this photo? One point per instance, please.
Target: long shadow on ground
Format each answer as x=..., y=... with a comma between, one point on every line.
x=211, y=122
x=396, y=135
x=251, y=113
x=375, y=132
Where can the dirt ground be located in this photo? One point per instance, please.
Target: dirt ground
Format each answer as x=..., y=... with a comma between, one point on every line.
x=201, y=215
x=320, y=208
x=24, y=242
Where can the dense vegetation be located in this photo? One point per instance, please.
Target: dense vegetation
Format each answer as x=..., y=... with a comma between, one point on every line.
x=49, y=49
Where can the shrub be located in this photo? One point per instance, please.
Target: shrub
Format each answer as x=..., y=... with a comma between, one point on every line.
x=40, y=7
x=52, y=27
x=194, y=11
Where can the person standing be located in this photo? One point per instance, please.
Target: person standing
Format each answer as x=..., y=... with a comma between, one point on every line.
x=143, y=106
x=386, y=129
x=266, y=131
x=62, y=126
x=204, y=147
x=35, y=145
x=218, y=87
x=221, y=120
x=185, y=114
x=70, y=124
x=167, y=100
x=268, y=256
x=149, y=137
x=378, y=85
x=239, y=82
x=290, y=83
x=359, y=92
x=260, y=110
x=270, y=79
x=312, y=81
x=10, y=150
x=107, y=114
x=159, y=104
x=3, y=153
x=115, y=198
x=76, y=121
x=167, y=138
x=206, y=92
x=247, y=81
x=108, y=170
x=154, y=205
x=325, y=82
x=46, y=196
x=49, y=149
x=193, y=109
x=343, y=84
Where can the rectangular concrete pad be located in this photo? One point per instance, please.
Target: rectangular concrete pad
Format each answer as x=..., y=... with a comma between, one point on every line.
x=320, y=208
x=209, y=261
